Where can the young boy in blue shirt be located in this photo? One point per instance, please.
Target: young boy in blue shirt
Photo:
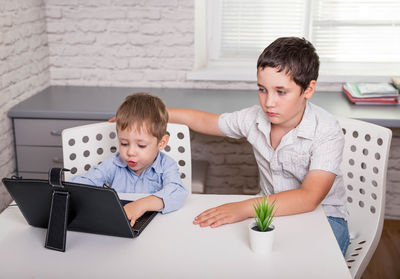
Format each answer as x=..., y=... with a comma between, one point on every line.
x=297, y=145
x=139, y=166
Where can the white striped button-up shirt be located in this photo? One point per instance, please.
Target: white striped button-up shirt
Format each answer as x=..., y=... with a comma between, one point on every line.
x=316, y=143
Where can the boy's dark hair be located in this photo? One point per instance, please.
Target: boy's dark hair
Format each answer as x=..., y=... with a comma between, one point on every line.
x=143, y=111
x=296, y=56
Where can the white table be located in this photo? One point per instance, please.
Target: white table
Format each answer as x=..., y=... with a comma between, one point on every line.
x=172, y=247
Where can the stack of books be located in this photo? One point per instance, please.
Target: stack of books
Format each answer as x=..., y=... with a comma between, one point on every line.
x=371, y=93
x=396, y=82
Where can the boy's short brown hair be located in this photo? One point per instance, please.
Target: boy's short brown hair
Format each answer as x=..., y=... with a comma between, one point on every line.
x=296, y=56
x=143, y=111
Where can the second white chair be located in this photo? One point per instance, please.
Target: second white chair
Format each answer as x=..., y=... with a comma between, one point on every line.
x=364, y=166
x=88, y=145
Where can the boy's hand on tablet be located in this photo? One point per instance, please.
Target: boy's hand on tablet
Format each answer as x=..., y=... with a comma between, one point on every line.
x=134, y=210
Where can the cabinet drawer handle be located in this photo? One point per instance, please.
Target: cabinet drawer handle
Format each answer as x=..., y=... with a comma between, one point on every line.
x=57, y=160
x=55, y=133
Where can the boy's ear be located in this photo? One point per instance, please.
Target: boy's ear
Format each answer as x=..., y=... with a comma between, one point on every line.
x=309, y=92
x=163, y=142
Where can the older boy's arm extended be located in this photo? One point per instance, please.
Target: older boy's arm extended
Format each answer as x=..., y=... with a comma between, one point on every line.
x=196, y=120
x=137, y=208
x=315, y=187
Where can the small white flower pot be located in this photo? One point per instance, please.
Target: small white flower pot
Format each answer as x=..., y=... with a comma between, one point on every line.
x=261, y=242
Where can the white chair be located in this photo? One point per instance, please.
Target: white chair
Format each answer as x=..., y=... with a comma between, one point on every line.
x=88, y=145
x=364, y=166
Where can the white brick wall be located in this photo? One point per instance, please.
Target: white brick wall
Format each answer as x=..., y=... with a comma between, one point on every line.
x=132, y=43
x=121, y=43
x=393, y=178
x=126, y=43
x=232, y=166
x=24, y=70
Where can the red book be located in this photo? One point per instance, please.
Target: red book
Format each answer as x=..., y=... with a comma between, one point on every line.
x=371, y=100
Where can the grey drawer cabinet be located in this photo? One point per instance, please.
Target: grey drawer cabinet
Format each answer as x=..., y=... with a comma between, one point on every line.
x=38, y=144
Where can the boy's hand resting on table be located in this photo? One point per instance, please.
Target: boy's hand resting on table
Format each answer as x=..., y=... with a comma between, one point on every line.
x=224, y=214
x=137, y=208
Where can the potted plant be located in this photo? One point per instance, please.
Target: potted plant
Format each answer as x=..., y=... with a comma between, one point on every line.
x=261, y=232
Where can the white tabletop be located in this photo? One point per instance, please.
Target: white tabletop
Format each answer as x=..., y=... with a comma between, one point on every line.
x=172, y=247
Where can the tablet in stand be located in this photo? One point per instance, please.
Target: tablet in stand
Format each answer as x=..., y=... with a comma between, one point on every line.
x=60, y=206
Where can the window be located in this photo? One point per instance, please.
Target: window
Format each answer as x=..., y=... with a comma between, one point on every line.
x=352, y=38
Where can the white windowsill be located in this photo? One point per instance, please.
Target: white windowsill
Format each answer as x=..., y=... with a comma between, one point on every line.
x=362, y=72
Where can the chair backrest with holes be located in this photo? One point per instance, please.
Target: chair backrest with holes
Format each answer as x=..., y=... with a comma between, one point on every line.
x=88, y=145
x=364, y=167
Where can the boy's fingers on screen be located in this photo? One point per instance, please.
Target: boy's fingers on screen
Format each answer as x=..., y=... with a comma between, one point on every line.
x=112, y=119
x=131, y=213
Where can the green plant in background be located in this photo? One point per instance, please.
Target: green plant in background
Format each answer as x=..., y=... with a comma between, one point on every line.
x=264, y=213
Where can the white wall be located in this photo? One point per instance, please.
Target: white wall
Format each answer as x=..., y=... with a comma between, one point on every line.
x=24, y=69
x=393, y=178
x=123, y=43
x=132, y=43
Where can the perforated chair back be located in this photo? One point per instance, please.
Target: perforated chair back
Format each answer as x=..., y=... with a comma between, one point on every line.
x=364, y=166
x=88, y=145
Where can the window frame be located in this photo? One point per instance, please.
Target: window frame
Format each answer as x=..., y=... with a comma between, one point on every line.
x=208, y=67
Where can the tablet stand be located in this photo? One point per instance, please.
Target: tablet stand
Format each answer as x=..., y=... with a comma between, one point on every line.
x=58, y=218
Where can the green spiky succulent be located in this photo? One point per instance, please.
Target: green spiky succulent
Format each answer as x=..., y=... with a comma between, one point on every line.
x=264, y=213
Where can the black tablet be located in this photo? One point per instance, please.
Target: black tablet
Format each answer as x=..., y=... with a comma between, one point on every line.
x=91, y=209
